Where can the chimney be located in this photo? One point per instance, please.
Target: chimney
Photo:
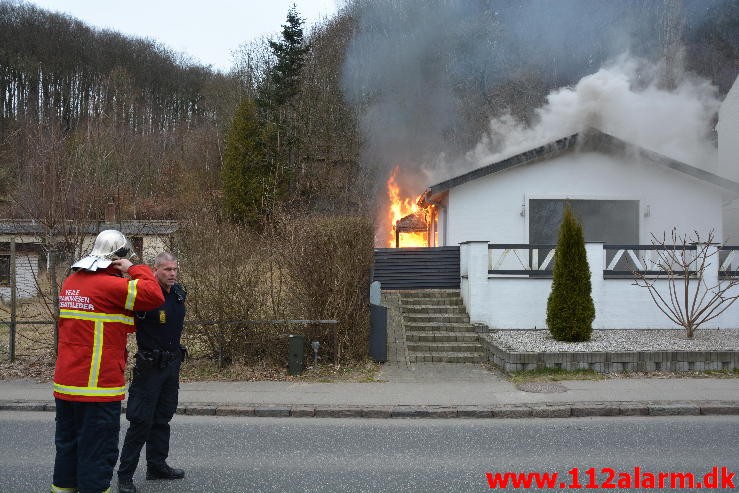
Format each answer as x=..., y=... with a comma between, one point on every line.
x=110, y=212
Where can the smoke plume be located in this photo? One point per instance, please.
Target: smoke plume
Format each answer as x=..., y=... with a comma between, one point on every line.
x=624, y=99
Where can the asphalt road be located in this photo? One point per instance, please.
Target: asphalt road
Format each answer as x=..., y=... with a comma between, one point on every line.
x=392, y=455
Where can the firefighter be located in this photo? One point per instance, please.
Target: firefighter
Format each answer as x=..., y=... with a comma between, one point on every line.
x=152, y=399
x=96, y=314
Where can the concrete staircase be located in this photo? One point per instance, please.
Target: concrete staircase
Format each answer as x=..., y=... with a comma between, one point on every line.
x=437, y=328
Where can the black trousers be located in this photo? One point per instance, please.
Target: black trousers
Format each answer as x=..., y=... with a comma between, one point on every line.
x=86, y=442
x=152, y=401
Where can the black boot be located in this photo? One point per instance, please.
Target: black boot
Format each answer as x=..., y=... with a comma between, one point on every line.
x=163, y=472
x=126, y=486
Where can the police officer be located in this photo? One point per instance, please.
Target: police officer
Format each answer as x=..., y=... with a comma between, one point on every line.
x=152, y=399
x=96, y=314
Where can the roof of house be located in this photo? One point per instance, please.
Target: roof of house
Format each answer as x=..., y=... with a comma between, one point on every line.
x=132, y=227
x=590, y=140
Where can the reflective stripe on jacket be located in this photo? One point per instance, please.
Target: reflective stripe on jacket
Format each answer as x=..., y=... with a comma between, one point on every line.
x=95, y=318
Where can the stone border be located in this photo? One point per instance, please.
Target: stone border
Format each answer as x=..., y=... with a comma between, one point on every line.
x=610, y=362
x=503, y=411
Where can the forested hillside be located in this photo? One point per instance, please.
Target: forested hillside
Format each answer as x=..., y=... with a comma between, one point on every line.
x=422, y=77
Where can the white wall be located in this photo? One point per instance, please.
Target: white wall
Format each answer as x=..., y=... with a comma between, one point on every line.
x=728, y=158
x=728, y=134
x=489, y=208
x=520, y=303
x=26, y=271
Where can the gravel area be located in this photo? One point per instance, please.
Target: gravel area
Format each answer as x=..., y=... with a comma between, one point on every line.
x=619, y=340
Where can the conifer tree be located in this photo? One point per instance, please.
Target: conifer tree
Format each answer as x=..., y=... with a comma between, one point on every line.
x=570, y=308
x=289, y=52
x=248, y=181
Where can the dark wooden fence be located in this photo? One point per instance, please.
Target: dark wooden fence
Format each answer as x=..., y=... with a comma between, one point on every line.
x=417, y=268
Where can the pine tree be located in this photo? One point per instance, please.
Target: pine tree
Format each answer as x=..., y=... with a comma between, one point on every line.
x=289, y=52
x=570, y=308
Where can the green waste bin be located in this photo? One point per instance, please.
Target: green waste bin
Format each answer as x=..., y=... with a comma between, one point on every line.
x=296, y=354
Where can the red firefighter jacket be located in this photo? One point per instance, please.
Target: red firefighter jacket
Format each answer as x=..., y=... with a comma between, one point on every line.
x=95, y=318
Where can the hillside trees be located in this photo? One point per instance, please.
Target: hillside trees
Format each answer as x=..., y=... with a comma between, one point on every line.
x=52, y=65
x=296, y=86
x=148, y=114
x=259, y=156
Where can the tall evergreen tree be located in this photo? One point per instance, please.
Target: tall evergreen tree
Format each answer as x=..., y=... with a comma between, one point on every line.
x=570, y=308
x=247, y=173
x=289, y=52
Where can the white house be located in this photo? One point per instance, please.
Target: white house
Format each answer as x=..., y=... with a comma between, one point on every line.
x=622, y=194
x=506, y=217
x=32, y=239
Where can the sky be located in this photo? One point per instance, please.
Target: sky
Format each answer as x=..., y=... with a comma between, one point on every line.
x=207, y=31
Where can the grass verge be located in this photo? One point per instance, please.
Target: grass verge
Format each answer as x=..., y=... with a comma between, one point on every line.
x=553, y=375
x=197, y=370
x=558, y=374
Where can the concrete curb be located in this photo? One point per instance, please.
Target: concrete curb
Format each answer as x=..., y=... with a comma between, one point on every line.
x=559, y=410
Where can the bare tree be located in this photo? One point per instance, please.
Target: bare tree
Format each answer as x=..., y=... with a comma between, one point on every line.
x=690, y=300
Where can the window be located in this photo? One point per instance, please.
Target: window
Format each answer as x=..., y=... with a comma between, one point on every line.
x=4, y=270
x=609, y=221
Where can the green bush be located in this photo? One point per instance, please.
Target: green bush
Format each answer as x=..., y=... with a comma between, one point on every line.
x=570, y=308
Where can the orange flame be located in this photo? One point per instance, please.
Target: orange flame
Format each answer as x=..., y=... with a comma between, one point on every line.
x=400, y=208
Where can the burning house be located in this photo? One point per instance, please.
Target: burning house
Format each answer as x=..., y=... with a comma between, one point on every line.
x=504, y=219
x=622, y=193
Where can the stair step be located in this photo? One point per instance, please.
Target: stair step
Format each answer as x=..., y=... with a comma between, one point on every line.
x=438, y=328
x=434, y=317
x=459, y=327
x=444, y=347
x=441, y=336
x=432, y=301
x=446, y=357
x=431, y=309
x=429, y=293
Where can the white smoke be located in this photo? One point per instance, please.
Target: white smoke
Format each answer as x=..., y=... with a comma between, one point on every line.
x=624, y=99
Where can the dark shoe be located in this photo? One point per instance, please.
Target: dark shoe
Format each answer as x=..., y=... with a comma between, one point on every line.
x=126, y=486
x=164, y=472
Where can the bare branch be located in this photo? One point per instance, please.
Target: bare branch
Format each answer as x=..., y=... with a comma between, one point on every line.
x=684, y=262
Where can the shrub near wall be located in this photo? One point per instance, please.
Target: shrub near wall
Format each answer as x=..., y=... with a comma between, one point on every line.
x=222, y=267
x=570, y=308
x=329, y=269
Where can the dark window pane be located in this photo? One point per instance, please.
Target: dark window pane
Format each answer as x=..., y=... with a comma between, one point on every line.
x=609, y=221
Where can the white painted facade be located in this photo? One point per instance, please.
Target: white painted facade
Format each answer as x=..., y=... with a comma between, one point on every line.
x=494, y=208
x=26, y=271
x=728, y=158
x=520, y=302
x=727, y=129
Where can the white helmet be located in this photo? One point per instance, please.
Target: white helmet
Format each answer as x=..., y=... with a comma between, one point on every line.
x=109, y=245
